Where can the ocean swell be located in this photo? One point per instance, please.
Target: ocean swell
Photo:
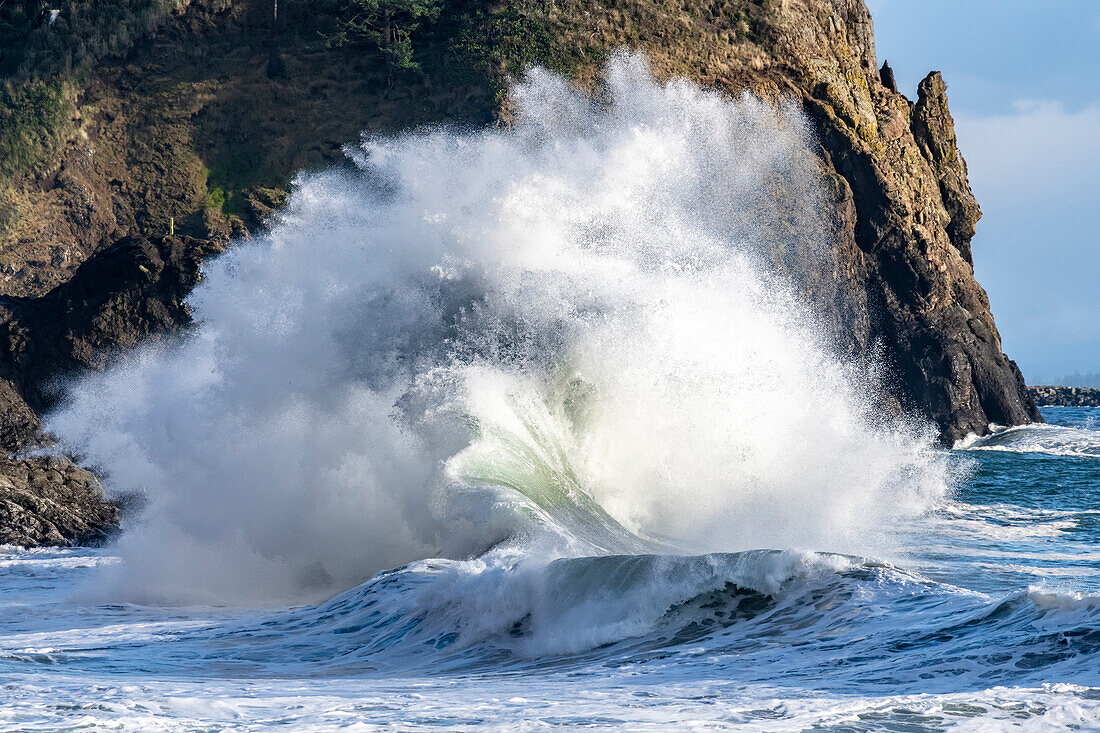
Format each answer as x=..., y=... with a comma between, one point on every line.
x=779, y=618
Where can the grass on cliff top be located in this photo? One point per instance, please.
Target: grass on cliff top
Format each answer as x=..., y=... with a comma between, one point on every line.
x=202, y=124
x=708, y=40
x=45, y=61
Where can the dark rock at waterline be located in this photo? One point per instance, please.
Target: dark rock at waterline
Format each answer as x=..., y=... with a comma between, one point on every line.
x=1066, y=396
x=48, y=501
x=130, y=290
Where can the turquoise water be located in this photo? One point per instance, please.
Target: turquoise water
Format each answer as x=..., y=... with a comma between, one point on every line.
x=986, y=618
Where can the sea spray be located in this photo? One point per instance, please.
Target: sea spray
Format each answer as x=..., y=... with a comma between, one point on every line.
x=567, y=335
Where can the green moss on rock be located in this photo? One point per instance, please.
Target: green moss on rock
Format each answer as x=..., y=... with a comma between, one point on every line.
x=35, y=118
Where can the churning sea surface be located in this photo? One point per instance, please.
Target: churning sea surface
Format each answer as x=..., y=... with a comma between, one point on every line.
x=571, y=355
x=987, y=617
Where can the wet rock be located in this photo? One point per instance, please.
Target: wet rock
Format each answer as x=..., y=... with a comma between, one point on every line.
x=47, y=501
x=134, y=288
x=130, y=290
x=905, y=219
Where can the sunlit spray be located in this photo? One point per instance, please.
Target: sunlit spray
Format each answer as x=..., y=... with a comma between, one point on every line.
x=562, y=337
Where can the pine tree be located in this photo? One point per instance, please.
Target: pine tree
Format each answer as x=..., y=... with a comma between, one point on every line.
x=387, y=25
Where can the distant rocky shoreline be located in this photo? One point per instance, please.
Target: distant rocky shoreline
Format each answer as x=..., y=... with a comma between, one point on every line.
x=1065, y=396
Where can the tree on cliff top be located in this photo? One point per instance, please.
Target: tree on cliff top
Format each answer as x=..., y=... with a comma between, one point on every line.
x=387, y=25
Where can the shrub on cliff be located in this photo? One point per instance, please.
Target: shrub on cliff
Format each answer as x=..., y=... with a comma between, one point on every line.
x=45, y=50
x=388, y=25
x=38, y=43
x=34, y=116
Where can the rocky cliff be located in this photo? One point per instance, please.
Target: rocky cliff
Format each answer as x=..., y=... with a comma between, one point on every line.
x=196, y=120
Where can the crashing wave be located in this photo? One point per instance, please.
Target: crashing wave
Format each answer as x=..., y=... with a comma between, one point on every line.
x=564, y=336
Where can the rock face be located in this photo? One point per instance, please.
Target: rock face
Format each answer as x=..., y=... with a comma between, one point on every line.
x=133, y=288
x=903, y=282
x=1065, y=396
x=907, y=217
x=51, y=502
x=156, y=140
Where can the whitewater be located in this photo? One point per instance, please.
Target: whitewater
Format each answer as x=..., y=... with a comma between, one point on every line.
x=535, y=426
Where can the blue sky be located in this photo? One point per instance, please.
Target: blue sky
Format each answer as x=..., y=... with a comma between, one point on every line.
x=1024, y=87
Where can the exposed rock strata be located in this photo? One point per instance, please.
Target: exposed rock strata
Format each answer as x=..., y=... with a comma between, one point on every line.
x=160, y=137
x=51, y=502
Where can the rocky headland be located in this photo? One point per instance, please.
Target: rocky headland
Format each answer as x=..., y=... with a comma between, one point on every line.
x=137, y=142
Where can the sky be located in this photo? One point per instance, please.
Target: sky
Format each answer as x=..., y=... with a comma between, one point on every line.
x=1023, y=84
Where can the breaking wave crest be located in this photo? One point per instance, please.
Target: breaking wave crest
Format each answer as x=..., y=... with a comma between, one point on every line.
x=769, y=614
x=582, y=335
x=1053, y=440
x=823, y=621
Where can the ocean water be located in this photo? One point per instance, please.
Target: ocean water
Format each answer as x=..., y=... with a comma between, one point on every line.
x=987, y=618
x=533, y=427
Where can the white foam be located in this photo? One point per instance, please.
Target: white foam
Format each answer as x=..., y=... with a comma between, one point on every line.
x=1054, y=440
x=615, y=701
x=481, y=332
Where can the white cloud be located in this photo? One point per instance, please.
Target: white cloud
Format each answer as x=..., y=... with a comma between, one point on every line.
x=1042, y=151
x=1036, y=174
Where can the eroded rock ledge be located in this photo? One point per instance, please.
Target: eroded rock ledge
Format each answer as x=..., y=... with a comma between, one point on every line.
x=51, y=502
